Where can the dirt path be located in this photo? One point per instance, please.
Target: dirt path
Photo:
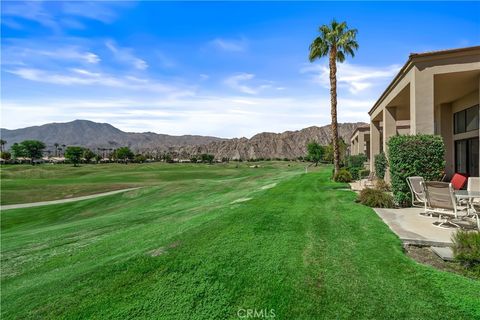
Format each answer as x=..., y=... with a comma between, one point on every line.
x=45, y=203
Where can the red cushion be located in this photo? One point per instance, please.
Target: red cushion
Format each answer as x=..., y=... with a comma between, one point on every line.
x=458, y=181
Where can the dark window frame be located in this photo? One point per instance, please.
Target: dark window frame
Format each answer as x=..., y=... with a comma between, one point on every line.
x=464, y=114
x=467, y=146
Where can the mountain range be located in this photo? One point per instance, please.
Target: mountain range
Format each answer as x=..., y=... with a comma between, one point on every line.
x=93, y=135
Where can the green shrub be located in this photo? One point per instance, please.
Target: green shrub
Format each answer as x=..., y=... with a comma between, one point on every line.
x=381, y=185
x=414, y=155
x=355, y=164
x=354, y=171
x=375, y=198
x=466, y=247
x=343, y=176
x=380, y=165
x=356, y=161
x=363, y=173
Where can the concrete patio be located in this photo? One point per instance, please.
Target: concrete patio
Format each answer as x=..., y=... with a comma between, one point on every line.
x=412, y=228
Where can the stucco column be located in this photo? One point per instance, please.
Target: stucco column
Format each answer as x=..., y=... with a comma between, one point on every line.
x=374, y=142
x=389, y=125
x=361, y=143
x=445, y=128
x=421, y=102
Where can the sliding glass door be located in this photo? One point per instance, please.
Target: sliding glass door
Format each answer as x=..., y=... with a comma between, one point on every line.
x=466, y=156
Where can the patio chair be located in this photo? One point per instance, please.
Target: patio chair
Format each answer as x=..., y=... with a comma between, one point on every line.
x=418, y=193
x=441, y=200
x=476, y=212
x=369, y=181
x=473, y=184
x=458, y=181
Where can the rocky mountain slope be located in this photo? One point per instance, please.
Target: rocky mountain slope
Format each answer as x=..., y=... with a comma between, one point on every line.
x=99, y=135
x=289, y=144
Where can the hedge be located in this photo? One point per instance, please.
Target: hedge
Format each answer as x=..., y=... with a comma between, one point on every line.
x=380, y=165
x=414, y=155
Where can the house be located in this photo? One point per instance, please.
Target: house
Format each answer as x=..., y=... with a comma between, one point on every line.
x=433, y=93
x=360, y=141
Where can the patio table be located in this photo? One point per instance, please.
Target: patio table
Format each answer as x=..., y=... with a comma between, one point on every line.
x=469, y=196
x=465, y=194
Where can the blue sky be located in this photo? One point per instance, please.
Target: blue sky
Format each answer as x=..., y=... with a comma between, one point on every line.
x=227, y=69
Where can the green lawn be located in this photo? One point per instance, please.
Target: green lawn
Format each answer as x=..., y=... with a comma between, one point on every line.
x=180, y=249
x=26, y=183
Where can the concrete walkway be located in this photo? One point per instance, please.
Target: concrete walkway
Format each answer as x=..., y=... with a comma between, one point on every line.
x=412, y=228
x=46, y=203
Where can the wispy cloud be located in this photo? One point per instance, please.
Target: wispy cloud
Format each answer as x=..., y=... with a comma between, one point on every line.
x=126, y=55
x=95, y=10
x=356, y=78
x=30, y=10
x=233, y=45
x=76, y=76
x=59, y=15
x=239, y=82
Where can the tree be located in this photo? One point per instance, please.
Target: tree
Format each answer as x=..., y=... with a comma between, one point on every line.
x=74, y=154
x=167, y=157
x=140, y=158
x=98, y=158
x=5, y=155
x=315, y=152
x=88, y=155
x=56, y=148
x=335, y=41
x=207, y=158
x=329, y=153
x=2, y=143
x=32, y=149
x=124, y=154
x=17, y=150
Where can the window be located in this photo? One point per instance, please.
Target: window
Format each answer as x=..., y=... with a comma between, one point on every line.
x=466, y=120
x=471, y=118
x=466, y=156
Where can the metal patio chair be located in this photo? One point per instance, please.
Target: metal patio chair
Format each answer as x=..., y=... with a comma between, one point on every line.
x=441, y=199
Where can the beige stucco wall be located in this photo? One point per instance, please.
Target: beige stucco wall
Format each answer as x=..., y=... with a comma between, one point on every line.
x=425, y=113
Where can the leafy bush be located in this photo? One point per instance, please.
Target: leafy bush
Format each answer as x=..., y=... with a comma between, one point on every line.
x=380, y=165
x=355, y=164
x=381, y=185
x=416, y=155
x=5, y=155
x=354, y=171
x=363, y=173
x=343, y=176
x=466, y=247
x=356, y=161
x=375, y=198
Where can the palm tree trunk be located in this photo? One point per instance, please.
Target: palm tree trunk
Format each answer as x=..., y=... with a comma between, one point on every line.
x=333, y=110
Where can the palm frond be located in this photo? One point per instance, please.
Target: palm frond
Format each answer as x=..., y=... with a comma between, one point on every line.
x=319, y=48
x=336, y=35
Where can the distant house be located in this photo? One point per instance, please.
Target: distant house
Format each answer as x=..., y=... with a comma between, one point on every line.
x=360, y=141
x=434, y=93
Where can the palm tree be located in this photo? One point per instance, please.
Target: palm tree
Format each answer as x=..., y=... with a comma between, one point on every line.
x=2, y=143
x=335, y=41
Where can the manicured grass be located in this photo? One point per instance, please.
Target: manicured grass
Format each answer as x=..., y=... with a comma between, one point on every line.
x=181, y=249
x=26, y=183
